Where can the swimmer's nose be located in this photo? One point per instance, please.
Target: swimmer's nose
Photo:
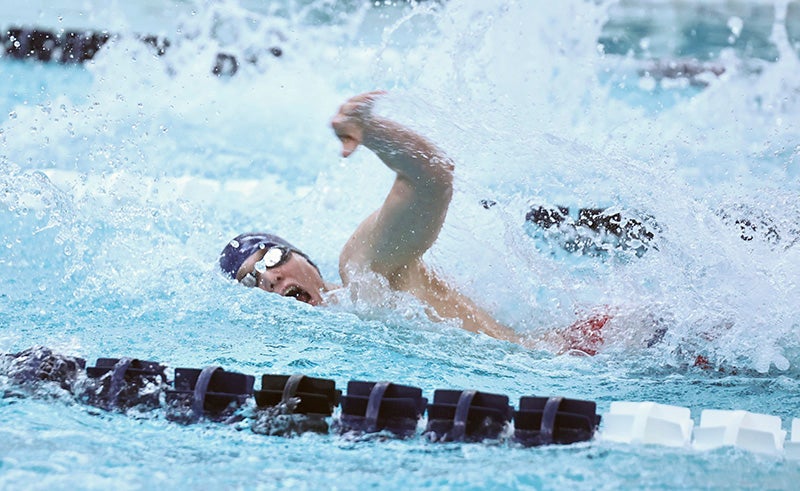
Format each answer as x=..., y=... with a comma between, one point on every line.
x=270, y=279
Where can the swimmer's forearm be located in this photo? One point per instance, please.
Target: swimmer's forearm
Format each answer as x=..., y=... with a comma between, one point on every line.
x=396, y=236
x=408, y=153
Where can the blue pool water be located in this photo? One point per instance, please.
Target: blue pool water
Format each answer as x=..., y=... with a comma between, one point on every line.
x=123, y=178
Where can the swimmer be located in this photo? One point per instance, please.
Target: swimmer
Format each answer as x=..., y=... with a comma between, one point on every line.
x=390, y=242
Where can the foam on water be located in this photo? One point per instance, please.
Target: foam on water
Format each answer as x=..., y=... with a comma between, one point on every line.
x=517, y=94
x=121, y=180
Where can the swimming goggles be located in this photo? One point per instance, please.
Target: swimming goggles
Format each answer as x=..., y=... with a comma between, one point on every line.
x=274, y=257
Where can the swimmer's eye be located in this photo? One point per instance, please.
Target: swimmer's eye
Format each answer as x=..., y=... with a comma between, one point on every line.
x=274, y=257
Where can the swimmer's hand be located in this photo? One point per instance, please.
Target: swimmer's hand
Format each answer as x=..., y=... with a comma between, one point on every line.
x=352, y=119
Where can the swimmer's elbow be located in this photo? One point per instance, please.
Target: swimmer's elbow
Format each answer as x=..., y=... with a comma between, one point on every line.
x=437, y=178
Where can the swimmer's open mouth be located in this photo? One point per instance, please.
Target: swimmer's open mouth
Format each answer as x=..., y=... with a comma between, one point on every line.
x=298, y=293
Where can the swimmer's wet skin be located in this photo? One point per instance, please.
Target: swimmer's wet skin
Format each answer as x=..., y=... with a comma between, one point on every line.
x=390, y=242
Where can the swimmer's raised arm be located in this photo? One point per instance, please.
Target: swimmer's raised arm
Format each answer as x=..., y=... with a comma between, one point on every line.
x=392, y=240
x=394, y=237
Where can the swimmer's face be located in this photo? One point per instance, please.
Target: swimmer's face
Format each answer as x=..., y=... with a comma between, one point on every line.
x=293, y=276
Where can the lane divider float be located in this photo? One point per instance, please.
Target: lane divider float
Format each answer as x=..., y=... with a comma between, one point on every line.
x=759, y=433
x=289, y=405
x=648, y=423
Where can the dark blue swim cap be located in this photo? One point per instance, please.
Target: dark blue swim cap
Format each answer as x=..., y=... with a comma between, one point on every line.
x=245, y=245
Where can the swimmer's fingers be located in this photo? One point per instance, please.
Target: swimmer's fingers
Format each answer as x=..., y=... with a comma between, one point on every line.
x=348, y=132
x=349, y=144
x=360, y=106
x=349, y=122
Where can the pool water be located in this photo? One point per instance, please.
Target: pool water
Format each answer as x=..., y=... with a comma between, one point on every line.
x=124, y=177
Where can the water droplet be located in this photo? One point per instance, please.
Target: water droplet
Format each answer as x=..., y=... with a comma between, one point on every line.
x=12, y=115
x=735, y=24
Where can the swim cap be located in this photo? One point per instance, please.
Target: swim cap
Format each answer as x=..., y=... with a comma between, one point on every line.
x=245, y=245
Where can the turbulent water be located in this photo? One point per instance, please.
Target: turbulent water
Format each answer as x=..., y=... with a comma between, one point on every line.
x=123, y=178
x=523, y=98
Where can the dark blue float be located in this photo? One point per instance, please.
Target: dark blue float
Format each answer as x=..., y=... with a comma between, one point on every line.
x=289, y=405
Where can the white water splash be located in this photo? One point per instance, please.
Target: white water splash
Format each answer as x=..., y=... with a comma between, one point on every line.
x=519, y=96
